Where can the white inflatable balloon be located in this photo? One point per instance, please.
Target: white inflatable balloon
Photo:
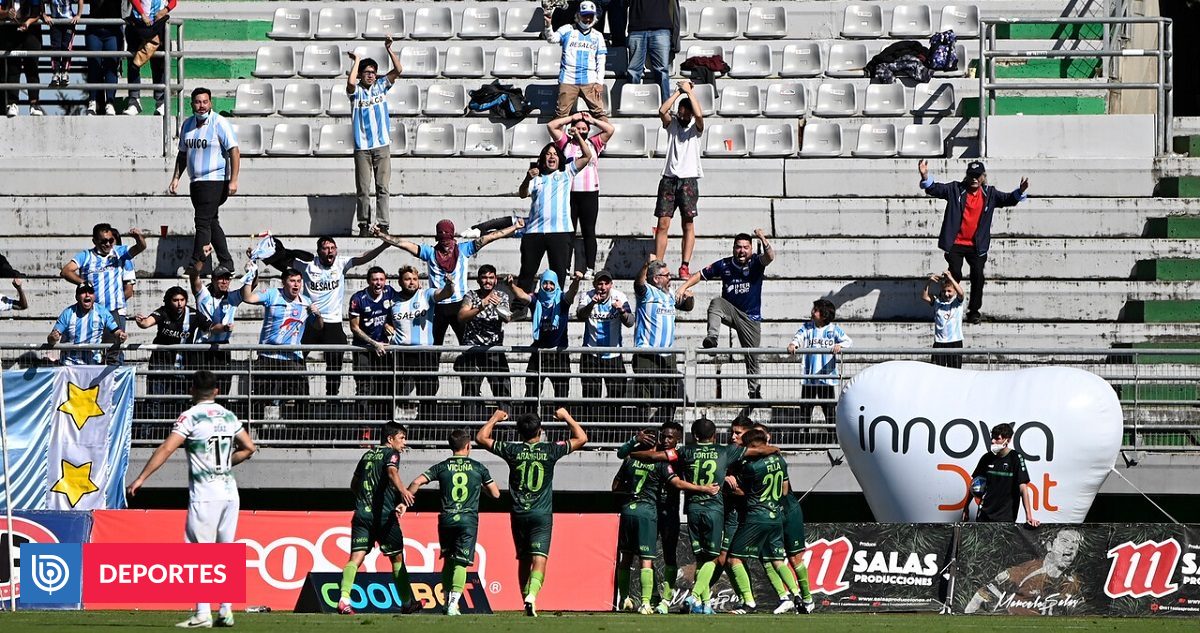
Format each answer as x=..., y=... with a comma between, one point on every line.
x=913, y=433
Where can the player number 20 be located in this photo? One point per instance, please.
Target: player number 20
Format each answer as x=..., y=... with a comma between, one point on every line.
x=773, y=490
x=533, y=475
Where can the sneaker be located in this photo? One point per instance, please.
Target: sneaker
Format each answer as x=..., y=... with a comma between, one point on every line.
x=709, y=342
x=627, y=605
x=691, y=604
x=470, y=234
x=588, y=274
x=364, y=230
x=452, y=609
x=91, y=108
x=530, y=609
x=224, y=621
x=685, y=272
x=196, y=622
x=344, y=607
x=36, y=110
x=646, y=609
x=134, y=108
x=744, y=609
x=708, y=610
x=11, y=111
x=785, y=606
x=803, y=606
x=974, y=318
x=416, y=606
x=663, y=607
x=159, y=109
x=109, y=110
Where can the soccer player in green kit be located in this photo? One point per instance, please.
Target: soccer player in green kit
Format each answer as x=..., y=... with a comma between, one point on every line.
x=794, y=544
x=377, y=488
x=530, y=482
x=760, y=534
x=670, y=435
x=460, y=480
x=640, y=527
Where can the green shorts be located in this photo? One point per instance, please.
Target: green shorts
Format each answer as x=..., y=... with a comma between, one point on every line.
x=457, y=536
x=793, y=529
x=758, y=540
x=531, y=534
x=706, y=527
x=637, y=533
x=366, y=531
x=732, y=519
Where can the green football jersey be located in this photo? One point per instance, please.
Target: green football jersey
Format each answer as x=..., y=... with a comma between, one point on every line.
x=460, y=479
x=374, y=495
x=643, y=481
x=531, y=473
x=763, y=481
x=704, y=465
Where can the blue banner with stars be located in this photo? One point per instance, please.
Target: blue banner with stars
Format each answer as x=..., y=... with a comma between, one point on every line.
x=68, y=437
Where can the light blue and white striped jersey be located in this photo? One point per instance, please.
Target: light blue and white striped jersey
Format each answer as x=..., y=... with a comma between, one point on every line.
x=217, y=311
x=655, y=326
x=809, y=336
x=369, y=115
x=152, y=7
x=582, y=55
x=550, y=207
x=62, y=8
x=437, y=276
x=207, y=147
x=326, y=287
x=84, y=328
x=412, y=318
x=283, y=323
x=603, y=326
x=106, y=274
x=948, y=320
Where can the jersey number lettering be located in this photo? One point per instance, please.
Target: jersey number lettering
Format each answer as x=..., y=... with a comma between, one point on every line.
x=533, y=475
x=221, y=448
x=704, y=472
x=772, y=487
x=458, y=487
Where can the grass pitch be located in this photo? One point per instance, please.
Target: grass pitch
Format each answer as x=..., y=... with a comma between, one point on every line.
x=573, y=622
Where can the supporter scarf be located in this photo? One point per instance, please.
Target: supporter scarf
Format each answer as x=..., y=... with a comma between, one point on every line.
x=445, y=253
x=544, y=301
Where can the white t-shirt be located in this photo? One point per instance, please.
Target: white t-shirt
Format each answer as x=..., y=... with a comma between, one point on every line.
x=326, y=287
x=208, y=430
x=683, y=151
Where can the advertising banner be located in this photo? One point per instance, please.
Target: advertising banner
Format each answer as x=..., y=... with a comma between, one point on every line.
x=283, y=547
x=37, y=528
x=376, y=593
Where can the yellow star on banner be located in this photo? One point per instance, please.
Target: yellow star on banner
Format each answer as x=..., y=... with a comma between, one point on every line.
x=81, y=404
x=76, y=481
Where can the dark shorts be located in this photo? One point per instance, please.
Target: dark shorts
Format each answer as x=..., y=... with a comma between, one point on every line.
x=793, y=529
x=758, y=540
x=706, y=527
x=732, y=520
x=638, y=533
x=668, y=531
x=677, y=193
x=531, y=534
x=366, y=531
x=457, y=538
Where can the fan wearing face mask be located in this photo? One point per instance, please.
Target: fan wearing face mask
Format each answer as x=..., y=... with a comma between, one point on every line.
x=581, y=70
x=1006, y=481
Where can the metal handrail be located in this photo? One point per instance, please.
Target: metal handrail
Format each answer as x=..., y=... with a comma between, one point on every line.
x=1164, y=54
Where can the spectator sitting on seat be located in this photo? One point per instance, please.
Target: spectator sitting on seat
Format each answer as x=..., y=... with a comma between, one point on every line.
x=947, y=318
x=411, y=323
x=581, y=69
x=604, y=311
x=22, y=33
x=146, y=22
x=551, y=312
x=447, y=259
x=484, y=313
x=740, y=305
x=85, y=322
x=820, y=369
x=62, y=36
x=372, y=140
x=104, y=268
x=104, y=70
x=967, y=223
x=585, y=188
x=20, y=303
x=178, y=324
x=285, y=313
x=549, y=229
x=679, y=187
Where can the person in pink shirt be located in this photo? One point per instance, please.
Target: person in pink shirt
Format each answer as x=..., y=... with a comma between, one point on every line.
x=585, y=188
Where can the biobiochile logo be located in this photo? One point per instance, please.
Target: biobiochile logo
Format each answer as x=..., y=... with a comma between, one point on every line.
x=51, y=573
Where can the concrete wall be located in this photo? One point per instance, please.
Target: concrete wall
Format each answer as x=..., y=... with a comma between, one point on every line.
x=1072, y=136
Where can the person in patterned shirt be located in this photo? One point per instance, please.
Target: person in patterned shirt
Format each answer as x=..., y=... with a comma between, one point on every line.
x=484, y=313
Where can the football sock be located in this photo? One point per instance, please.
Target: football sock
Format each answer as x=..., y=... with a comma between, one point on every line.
x=802, y=581
x=348, y=573
x=741, y=584
x=400, y=577
x=785, y=574
x=703, y=581
x=670, y=573
x=536, y=578
x=776, y=581
x=447, y=579
x=460, y=578
x=647, y=583
x=720, y=569
x=623, y=579
x=203, y=610
x=226, y=609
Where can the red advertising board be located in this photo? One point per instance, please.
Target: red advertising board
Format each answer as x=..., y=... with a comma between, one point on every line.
x=282, y=547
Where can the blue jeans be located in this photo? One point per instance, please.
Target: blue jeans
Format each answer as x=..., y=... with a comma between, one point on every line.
x=658, y=42
x=103, y=70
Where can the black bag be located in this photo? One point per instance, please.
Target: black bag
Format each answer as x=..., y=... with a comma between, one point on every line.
x=502, y=100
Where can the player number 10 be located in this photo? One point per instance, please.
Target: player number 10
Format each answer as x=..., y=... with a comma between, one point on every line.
x=533, y=475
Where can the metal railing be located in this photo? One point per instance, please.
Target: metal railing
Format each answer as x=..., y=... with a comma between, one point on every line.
x=988, y=85
x=172, y=50
x=312, y=403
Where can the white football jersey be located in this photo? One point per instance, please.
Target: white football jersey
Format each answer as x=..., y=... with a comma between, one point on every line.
x=326, y=287
x=208, y=430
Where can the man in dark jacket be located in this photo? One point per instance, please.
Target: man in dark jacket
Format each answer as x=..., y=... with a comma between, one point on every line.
x=967, y=223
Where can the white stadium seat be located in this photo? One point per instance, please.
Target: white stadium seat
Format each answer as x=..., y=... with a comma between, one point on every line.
x=464, y=62
x=876, y=141
x=836, y=99
x=291, y=24
x=384, y=21
x=768, y=22
x=706, y=96
x=445, y=100
x=404, y=99
x=922, y=141
x=863, y=20
x=802, y=60
x=376, y=52
x=528, y=139
x=335, y=139
x=548, y=57
x=628, y=139
x=523, y=23
x=718, y=23
x=773, y=140
x=911, y=22
x=290, y=139
x=301, y=99
x=885, y=100
x=254, y=99
x=399, y=136
x=250, y=138
x=786, y=99
x=847, y=59
x=740, y=100
x=321, y=60
x=931, y=98
x=435, y=139
x=725, y=140
x=419, y=61
x=484, y=139
x=480, y=22
x=339, y=101
x=750, y=61
x=274, y=61
x=513, y=61
x=432, y=23
x=337, y=23
x=962, y=19
x=822, y=140
x=640, y=100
